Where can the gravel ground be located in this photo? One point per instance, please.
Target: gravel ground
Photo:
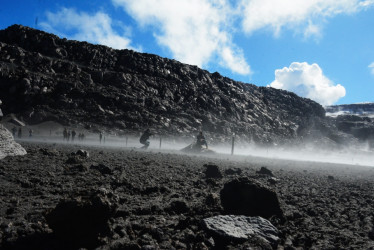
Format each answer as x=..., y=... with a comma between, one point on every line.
x=161, y=198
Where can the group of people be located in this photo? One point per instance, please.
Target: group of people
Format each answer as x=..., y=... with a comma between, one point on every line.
x=67, y=134
x=200, y=139
x=18, y=132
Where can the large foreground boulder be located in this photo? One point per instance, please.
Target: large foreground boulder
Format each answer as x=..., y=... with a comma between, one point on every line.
x=231, y=228
x=81, y=222
x=245, y=197
x=7, y=144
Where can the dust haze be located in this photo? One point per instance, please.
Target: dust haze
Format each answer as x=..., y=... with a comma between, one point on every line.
x=360, y=154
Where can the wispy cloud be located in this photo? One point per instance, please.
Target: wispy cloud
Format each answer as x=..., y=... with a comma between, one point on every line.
x=371, y=66
x=195, y=31
x=308, y=81
x=202, y=32
x=95, y=28
x=305, y=17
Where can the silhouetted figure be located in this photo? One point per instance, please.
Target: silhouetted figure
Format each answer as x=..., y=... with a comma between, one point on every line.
x=101, y=136
x=19, y=133
x=30, y=132
x=73, y=133
x=65, y=133
x=69, y=133
x=14, y=131
x=144, y=138
x=200, y=140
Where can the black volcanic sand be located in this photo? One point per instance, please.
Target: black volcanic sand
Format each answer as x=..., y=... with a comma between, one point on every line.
x=161, y=198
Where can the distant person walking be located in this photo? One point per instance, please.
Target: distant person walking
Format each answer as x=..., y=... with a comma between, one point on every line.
x=65, y=133
x=144, y=138
x=30, y=132
x=14, y=131
x=201, y=141
x=19, y=133
x=101, y=136
x=73, y=133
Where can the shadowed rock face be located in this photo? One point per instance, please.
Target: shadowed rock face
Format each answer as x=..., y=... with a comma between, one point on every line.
x=7, y=144
x=44, y=78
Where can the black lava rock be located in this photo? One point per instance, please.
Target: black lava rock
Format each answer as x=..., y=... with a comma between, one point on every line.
x=212, y=171
x=81, y=221
x=245, y=197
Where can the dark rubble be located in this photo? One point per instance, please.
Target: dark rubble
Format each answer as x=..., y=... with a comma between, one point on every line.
x=153, y=200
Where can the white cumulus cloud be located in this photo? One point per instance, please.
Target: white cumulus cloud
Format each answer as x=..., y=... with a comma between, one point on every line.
x=96, y=28
x=308, y=81
x=195, y=31
x=371, y=66
x=306, y=17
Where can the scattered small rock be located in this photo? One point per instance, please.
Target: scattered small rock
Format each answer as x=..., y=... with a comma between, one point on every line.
x=273, y=180
x=49, y=152
x=74, y=160
x=265, y=171
x=103, y=169
x=178, y=207
x=212, y=199
x=212, y=171
x=81, y=153
x=79, y=168
x=233, y=171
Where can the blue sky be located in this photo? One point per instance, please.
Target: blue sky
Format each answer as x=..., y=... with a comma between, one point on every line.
x=320, y=49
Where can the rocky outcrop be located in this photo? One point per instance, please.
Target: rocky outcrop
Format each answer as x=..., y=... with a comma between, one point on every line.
x=358, y=109
x=360, y=127
x=354, y=119
x=8, y=147
x=44, y=78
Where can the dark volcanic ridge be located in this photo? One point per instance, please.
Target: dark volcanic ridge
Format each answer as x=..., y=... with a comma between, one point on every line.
x=358, y=109
x=77, y=84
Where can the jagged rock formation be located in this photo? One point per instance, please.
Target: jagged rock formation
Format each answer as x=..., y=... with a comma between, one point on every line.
x=7, y=144
x=355, y=119
x=43, y=77
x=358, y=109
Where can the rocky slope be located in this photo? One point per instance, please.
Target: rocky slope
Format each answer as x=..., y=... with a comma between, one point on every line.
x=43, y=77
x=354, y=119
x=358, y=109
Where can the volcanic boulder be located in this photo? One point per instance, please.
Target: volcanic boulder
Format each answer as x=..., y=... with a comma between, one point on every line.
x=228, y=228
x=81, y=221
x=7, y=144
x=245, y=197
